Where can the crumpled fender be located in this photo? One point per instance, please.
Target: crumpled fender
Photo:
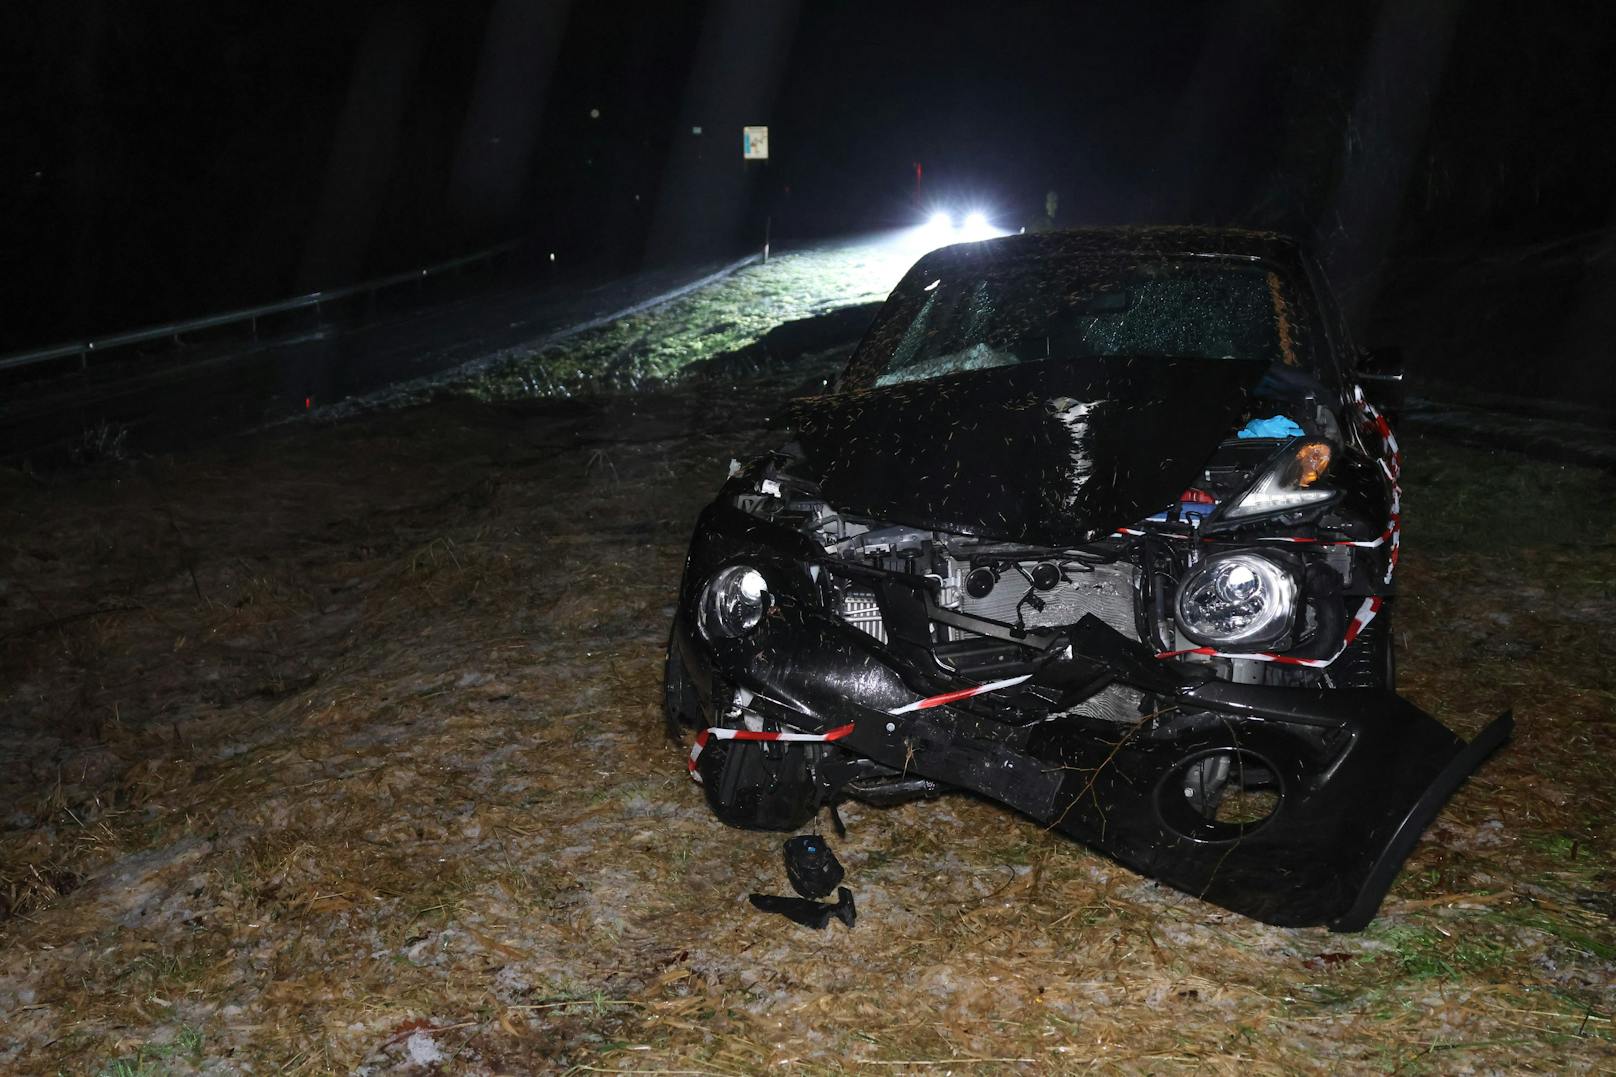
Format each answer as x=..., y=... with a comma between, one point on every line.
x=1349, y=810
x=1344, y=822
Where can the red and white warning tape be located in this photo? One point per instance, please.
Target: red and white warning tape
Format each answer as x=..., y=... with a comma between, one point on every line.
x=1360, y=621
x=1392, y=534
x=1388, y=535
x=766, y=736
x=1394, y=530
x=1378, y=421
x=1391, y=463
x=712, y=733
x=954, y=697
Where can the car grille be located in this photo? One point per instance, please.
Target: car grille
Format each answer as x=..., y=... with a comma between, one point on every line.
x=1106, y=591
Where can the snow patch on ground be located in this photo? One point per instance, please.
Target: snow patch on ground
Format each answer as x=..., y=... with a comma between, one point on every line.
x=423, y=1050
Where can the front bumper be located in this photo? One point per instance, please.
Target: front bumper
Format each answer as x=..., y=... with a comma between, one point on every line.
x=1358, y=773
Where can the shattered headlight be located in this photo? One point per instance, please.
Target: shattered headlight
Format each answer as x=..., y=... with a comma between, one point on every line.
x=1291, y=481
x=1236, y=599
x=733, y=603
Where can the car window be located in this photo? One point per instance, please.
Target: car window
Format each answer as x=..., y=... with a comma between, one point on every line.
x=1001, y=314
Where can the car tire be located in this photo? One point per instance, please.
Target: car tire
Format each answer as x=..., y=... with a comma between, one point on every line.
x=680, y=706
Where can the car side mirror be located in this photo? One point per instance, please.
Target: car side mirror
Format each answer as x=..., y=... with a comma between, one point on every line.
x=1381, y=372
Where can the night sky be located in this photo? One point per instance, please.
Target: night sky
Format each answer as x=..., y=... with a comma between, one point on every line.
x=174, y=159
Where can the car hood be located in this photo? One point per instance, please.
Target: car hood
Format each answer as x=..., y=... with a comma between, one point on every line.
x=1052, y=453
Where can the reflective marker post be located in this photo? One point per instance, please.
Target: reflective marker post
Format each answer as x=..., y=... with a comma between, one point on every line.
x=755, y=147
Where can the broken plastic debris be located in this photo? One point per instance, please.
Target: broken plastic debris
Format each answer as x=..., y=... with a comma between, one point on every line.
x=812, y=868
x=814, y=914
x=1276, y=426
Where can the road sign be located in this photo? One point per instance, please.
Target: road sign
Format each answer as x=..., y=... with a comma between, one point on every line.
x=755, y=143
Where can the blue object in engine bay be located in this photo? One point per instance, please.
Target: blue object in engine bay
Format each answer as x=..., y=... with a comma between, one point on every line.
x=1275, y=427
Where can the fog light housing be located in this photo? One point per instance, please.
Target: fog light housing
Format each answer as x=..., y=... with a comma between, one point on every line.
x=734, y=602
x=1238, y=599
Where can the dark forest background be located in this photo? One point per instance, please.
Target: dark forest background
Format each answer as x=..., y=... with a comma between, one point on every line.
x=164, y=160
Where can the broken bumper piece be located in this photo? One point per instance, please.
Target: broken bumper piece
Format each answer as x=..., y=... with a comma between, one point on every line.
x=1296, y=807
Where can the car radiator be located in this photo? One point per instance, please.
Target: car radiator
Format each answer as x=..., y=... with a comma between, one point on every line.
x=1103, y=590
x=859, y=608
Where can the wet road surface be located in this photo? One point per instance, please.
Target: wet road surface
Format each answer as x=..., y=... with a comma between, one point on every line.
x=194, y=393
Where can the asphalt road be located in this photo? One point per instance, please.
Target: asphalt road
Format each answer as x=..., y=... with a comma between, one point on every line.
x=192, y=393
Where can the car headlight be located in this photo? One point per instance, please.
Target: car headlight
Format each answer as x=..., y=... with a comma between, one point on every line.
x=1291, y=481
x=1236, y=599
x=734, y=602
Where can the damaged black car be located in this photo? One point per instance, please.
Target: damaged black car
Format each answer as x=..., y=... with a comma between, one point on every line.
x=1103, y=525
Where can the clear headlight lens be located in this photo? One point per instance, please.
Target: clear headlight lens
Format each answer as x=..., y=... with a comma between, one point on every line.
x=1236, y=599
x=734, y=602
x=1293, y=481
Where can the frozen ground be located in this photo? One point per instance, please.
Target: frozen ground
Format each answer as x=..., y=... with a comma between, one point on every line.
x=338, y=747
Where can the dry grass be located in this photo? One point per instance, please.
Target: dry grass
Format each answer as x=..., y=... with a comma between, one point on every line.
x=362, y=765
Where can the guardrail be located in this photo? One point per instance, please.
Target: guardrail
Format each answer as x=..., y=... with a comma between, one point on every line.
x=84, y=349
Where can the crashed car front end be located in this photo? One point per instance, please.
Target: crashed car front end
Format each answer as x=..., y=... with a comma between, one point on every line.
x=970, y=581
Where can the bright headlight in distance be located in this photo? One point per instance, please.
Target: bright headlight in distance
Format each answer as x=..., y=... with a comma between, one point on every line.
x=945, y=226
x=1236, y=600
x=734, y=602
x=976, y=227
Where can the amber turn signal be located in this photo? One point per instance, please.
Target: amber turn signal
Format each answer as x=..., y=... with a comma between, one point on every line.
x=1312, y=461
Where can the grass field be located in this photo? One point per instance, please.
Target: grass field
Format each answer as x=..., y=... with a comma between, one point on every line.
x=339, y=747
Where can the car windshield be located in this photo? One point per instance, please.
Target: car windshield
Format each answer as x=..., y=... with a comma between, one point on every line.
x=1027, y=310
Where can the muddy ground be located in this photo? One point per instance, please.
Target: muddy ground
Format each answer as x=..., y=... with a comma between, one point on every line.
x=339, y=747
